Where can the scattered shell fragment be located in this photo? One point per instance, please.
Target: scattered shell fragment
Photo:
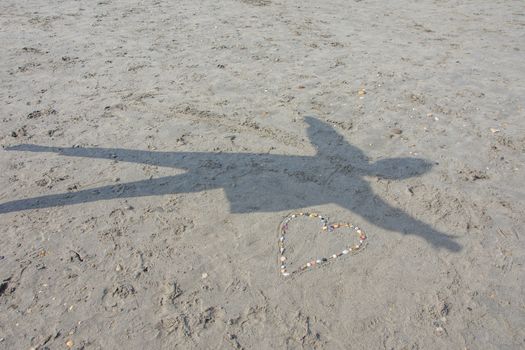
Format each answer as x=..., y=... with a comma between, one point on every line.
x=439, y=331
x=69, y=343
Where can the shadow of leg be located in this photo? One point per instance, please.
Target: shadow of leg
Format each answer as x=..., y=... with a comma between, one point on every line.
x=164, y=185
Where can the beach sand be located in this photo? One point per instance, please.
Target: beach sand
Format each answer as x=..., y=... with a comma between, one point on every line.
x=150, y=150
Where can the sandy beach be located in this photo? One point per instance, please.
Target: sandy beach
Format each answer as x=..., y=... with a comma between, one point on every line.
x=150, y=151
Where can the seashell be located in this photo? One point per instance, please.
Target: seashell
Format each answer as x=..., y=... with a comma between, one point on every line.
x=345, y=251
x=334, y=256
x=308, y=264
x=318, y=261
x=286, y=274
x=283, y=258
x=281, y=250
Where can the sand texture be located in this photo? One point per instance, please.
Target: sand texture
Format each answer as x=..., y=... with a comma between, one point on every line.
x=150, y=150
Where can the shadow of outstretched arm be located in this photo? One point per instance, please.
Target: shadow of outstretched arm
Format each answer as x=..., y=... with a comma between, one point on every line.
x=154, y=187
x=380, y=213
x=329, y=142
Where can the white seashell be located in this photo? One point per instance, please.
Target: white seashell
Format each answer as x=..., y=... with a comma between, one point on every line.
x=318, y=261
x=345, y=251
x=334, y=256
x=286, y=274
x=282, y=250
x=283, y=258
x=308, y=264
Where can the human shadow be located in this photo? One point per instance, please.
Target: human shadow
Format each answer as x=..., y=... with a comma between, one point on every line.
x=259, y=182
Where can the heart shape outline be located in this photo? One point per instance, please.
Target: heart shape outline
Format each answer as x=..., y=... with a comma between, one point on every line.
x=283, y=230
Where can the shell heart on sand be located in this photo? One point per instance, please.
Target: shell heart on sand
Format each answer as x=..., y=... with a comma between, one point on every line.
x=327, y=227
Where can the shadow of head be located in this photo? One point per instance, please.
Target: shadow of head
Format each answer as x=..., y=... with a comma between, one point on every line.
x=399, y=168
x=329, y=143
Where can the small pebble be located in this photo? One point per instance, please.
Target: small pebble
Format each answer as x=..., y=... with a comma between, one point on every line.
x=397, y=131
